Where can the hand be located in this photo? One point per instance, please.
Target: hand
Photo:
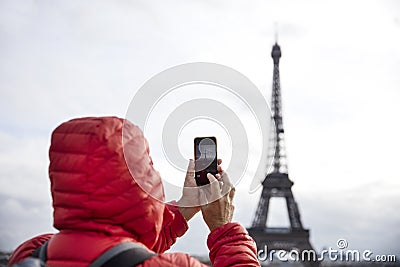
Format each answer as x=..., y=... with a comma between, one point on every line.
x=220, y=211
x=189, y=204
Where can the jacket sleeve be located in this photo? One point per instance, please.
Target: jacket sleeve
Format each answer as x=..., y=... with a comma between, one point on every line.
x=230, y=245
x=171, y=231
x=26, y=249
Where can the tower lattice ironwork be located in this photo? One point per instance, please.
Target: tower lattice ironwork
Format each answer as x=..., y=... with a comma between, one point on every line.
x=278, y=184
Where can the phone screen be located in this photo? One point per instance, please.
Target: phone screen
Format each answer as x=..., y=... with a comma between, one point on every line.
x=205, y=154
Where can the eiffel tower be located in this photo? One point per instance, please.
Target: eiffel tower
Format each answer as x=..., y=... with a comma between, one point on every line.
x=278, y=184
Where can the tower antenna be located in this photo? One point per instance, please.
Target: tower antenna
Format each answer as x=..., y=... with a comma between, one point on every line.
x=276, y=32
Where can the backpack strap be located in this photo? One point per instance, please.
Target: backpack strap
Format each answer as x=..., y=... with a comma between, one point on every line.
x=125, y=254
x=43, y=251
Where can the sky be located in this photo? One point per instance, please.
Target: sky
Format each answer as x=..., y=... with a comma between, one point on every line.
x=340, y=87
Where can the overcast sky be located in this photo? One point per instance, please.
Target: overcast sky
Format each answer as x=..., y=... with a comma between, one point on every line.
x=340, y=86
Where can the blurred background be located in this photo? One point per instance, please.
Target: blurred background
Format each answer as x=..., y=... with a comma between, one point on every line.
x=340, y=87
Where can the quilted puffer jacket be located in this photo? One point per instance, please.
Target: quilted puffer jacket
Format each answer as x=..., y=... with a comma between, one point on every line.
x=98, y=205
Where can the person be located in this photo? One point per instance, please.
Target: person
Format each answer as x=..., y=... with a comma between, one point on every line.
x=97, y=205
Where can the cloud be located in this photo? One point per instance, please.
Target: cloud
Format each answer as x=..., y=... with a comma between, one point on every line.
x=22, y=219
x=24, y=188
x=339, y=75
x=358, y=214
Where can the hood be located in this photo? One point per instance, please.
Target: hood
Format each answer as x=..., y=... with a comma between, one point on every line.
x=92, y=187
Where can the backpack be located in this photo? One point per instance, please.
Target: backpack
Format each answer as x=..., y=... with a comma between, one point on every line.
x=126, y=254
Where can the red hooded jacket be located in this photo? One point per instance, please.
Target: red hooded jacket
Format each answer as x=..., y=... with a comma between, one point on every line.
x=98, y=205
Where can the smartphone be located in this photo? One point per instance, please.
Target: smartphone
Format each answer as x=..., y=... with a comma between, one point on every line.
x=205, y=155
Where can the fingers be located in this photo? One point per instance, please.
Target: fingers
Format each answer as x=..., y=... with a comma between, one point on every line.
x=190, y=169
x=225, y=179
x=226, y=184
x=215, y=189
x=220, y=187
x=189, y=178
x=232, y=194
x=219, y=169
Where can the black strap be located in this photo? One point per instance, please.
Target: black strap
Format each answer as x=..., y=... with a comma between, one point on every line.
x=126, y=254
x=35, y=254
x=123, y=255
x=43, y=252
